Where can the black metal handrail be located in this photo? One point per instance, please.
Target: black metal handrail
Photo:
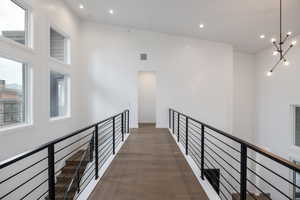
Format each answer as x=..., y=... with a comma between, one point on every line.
x=222, y=158
x=45, y=163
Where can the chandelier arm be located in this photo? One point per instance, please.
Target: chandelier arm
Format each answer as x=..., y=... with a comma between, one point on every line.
x=286, y=52
x=276, y=65
x=276, y=46
x=283, y=58
x=286, y=37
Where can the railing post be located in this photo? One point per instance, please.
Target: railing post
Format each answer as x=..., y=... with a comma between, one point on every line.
x=202, y=150
x=51, y=172
x=178, y=119
x=186, y=135
x=96, y=152
x=127, y=121
x=169, y=118
x=114, y=136
x=173, y=122
x=243, y=176
x=122, y=126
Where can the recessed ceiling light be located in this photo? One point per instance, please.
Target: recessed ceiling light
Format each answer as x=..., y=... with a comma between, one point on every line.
x=81, y=6
x=262, y=36
x=111, y=11
x=201, y=25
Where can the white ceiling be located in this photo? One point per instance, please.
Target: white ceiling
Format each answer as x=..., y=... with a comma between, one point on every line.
x=237, y=22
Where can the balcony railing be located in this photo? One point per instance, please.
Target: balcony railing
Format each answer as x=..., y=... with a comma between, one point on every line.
x=34, y=174
x=235, y=168
x=9, y=118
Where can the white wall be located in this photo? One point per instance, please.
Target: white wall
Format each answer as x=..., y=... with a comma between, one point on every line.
x=43, y=130
x=193, y=76
x=147, y=97
x=243, y=98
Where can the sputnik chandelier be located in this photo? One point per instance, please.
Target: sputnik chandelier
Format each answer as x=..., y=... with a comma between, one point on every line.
x=280, y=46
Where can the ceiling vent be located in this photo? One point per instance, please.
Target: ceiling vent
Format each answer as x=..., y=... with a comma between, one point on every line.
x=143, y=56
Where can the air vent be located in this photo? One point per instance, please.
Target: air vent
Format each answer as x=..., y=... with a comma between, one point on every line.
x=143, y=56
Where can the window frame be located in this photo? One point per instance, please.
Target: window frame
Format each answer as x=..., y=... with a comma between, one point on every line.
x=67, y=95
x=67, y=45
x=294, y=125
x=27, y=90
x=28, y=24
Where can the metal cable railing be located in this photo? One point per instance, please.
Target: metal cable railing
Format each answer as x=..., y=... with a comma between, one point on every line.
x=37, y=174
x=236, y=169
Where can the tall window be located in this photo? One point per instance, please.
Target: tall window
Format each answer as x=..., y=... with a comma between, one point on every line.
x=14, y=21
x=59, y=46
x=59, y=101
x=13, y=86
x=297, y=125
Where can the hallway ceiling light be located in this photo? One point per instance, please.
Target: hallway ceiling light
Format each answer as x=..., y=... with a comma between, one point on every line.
x=201, y=25
x=279, y=46
x=81, y=6
x=262, y=36
x=111, y=11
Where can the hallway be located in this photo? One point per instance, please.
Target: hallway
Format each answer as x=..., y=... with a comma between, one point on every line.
x=149, y=166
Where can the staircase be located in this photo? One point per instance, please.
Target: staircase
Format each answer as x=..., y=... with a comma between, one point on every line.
x=64, y=179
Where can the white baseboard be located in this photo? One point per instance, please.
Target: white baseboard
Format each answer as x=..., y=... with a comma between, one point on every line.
x=209, y=190
x=91, y=186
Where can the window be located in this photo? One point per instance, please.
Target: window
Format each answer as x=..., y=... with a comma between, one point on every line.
x=297, y=125
x=296, y=182
x=59, y=46
x=59, y=99
x=14, y=21
x=13, y=107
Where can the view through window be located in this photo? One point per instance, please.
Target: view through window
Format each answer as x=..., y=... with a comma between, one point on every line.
x=58, y=46
x=13, y=21
x=58, y=94
x=12, y=92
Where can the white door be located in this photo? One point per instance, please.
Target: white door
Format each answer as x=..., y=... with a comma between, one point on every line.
x=147, y=97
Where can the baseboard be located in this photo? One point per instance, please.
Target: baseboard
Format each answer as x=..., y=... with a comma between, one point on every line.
x=91, y=186
x=210, y=192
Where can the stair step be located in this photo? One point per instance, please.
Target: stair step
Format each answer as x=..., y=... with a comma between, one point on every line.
x=67, y=173
x=60, y=196
x=64, y=178
x=72, y=169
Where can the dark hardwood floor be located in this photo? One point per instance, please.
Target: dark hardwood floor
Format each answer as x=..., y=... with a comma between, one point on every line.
x=149, y=166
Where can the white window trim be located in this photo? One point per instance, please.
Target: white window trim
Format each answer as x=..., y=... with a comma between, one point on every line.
x=28, y=97
x=68, y=114
x=67, y=45
x=29, y=27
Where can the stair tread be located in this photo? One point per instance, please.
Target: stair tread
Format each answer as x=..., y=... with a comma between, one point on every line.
x=77, y=156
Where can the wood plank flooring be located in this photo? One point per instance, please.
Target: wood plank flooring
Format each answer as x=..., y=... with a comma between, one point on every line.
x=149, y=166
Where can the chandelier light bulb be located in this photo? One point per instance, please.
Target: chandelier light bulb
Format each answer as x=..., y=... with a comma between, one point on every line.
x=273, y=40
x=275, y=53
x=262, y=36
x=286, y=63
x=111, y=11
x=294, y=42
x=289, y=33
x=269, y=73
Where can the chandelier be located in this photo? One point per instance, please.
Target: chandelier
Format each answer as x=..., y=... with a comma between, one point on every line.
x=280, y=46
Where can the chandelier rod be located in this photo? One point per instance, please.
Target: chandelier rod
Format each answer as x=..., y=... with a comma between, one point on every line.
x=280, y=42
